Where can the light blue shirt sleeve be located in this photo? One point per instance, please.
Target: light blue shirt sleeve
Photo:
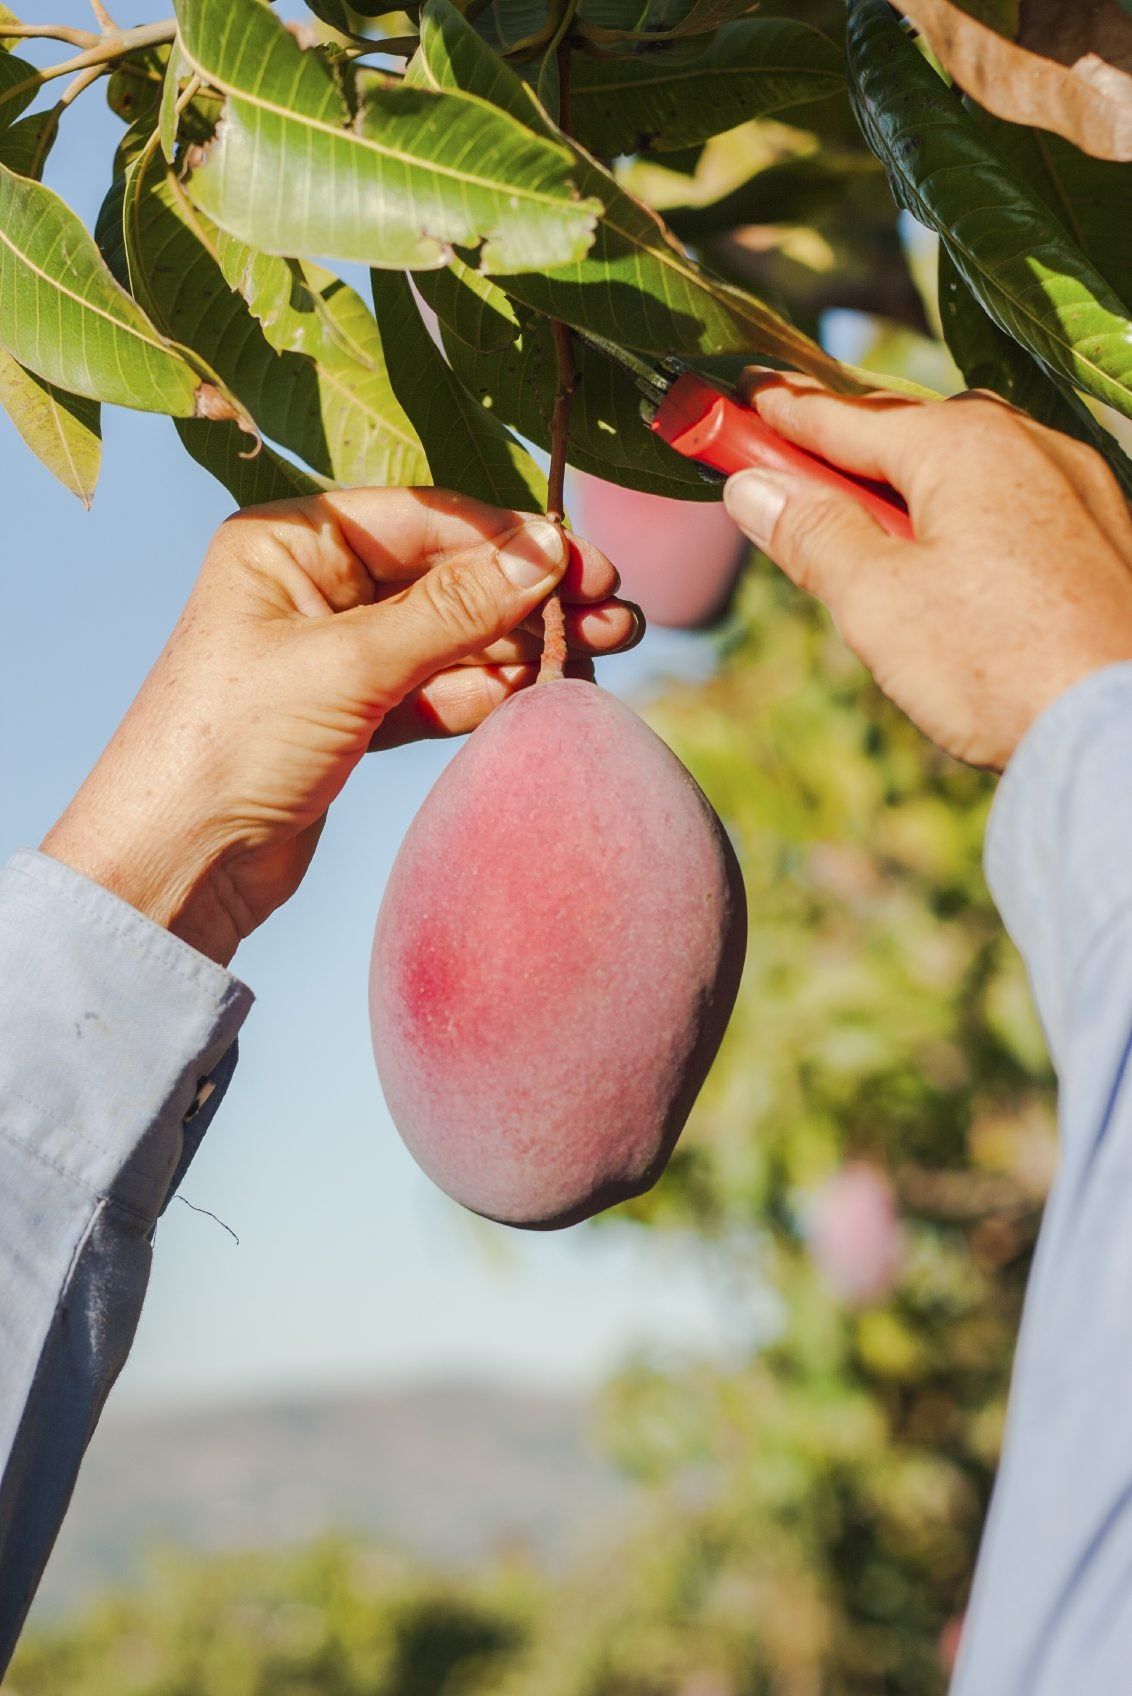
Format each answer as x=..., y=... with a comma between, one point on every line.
x=118, y=1043
x=1051, y=1610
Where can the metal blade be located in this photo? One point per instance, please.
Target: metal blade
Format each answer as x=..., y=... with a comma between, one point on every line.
x=653, y=383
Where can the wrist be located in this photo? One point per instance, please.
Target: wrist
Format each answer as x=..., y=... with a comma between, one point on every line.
x=162, y=870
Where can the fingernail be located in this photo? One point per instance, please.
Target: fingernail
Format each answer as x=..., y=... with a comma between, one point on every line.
x=533, y=554
x=755, y=504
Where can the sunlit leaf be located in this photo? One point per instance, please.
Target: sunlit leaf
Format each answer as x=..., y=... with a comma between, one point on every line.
x=990, y=359
x=177, y=72
x=468, y=447
x=339, y=415
x=470, y=306
x=1070, y=72
x=1092, y=198
x=61, y=429
x=64, y=316
x=416, y=171
x=1023, y=268
x=636, y=286
x=681, y=95
x=607, y=434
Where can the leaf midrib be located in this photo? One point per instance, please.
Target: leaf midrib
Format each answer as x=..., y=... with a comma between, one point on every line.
x=559, y=203
x=80, y=300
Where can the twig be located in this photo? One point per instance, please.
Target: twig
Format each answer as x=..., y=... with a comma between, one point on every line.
x=105, y=21
x=553, y=664
x=49, y=32
x=111, y=48
x=76, y=86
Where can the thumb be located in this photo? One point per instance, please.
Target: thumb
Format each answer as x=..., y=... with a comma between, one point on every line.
x=818, y=536
x=465, y=602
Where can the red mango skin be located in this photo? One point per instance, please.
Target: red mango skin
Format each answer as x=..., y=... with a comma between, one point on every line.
x=556, y=958
x=679, y=560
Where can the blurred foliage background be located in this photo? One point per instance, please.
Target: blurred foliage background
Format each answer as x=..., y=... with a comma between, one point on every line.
x=872, y=1148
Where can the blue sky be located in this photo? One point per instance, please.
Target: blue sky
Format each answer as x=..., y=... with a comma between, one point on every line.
x=350, y=1266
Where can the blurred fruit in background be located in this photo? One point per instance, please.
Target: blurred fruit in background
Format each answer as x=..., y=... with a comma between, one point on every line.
x=855, y=1235
x=679, y=560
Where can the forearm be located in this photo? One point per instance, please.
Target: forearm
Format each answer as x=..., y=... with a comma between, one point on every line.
x=1051, y=1611
x=118, y=1043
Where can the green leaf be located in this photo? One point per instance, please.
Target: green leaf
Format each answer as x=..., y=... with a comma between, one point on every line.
x=990, y=359
x=7, y=16
x=177, y=71
x=656, y=20
x=636, y=286
x=1022, y=267
x=1091, y=198
x=339, y=415
x=343, y=16
x=677, y=96
x=607, y=434
x=19, y=85
x=517, y=26
x=63, y=315
x=468, y=447
x=61, y=429
x=290, y=172
x=250, y=480
x=24, y=146
x=470, y=306
x=136, y=86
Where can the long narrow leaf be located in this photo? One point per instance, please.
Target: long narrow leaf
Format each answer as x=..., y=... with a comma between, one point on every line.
x=636, y=285
x=64, y=316
x=680, y=96
x=990, y=359
x=518, y=380
x=338, y=414
x=62, y=430
x=291, y=171
x=468, y=447
x=1015, y=257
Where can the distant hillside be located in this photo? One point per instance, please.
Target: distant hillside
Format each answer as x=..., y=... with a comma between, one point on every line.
x=447, y=1472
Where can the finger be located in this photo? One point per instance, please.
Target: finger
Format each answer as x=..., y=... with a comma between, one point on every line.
x=823, y=540
x=1092, y=479
x=454, y=702
x=867, y=434
x=450, y=704
x=460, y=607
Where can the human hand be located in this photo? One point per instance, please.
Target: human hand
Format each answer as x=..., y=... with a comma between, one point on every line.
x=1019, y=582
x=317, y=629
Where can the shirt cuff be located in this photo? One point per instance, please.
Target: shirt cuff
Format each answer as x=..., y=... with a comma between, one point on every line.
x=1057, y=857
x=117, y=1034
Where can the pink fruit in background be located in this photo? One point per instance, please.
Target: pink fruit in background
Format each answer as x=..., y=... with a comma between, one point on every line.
x=556, y=959
x=678, y=559
x=854, y=1233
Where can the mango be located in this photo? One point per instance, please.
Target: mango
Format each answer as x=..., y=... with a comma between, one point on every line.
x=556, y=958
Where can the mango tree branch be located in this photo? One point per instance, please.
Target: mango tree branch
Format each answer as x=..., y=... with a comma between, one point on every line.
x=553, y=620
x=112, y=47
x=49, y=32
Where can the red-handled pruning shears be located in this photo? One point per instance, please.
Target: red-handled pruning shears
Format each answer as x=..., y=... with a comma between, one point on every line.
x=712, y=426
